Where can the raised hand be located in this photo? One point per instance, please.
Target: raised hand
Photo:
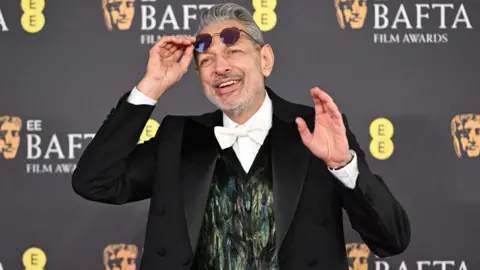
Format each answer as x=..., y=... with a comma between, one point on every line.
x=165, y=68
x=329, y=140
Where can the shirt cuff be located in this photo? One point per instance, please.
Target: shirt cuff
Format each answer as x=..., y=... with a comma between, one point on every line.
x=138, y=98
x=348, y=175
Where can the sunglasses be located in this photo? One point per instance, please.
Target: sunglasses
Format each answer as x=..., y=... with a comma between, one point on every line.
x=228, y=36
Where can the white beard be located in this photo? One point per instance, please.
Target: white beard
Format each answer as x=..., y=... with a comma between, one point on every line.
x=235, y=109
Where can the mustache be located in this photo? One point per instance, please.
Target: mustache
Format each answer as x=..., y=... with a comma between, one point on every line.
x=227, y=76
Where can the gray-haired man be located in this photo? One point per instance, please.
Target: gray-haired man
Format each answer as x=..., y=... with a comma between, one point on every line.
x=259, y=183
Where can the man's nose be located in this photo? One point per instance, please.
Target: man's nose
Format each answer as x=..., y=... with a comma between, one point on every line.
x=221, y=65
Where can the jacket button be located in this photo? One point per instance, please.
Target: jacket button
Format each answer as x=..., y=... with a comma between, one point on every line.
x=312, y=262
x=162, y=211
x=161, y=252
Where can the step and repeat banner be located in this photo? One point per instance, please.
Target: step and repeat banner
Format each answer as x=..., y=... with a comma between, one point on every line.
x=405, y=72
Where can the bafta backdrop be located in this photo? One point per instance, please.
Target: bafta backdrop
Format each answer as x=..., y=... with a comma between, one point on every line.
x=405, y=72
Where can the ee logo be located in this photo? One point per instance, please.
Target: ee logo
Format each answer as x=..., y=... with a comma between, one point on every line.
x=264, y=14
x=33, y=19
x=149, y=131
x=381, y=131
x=34, y=259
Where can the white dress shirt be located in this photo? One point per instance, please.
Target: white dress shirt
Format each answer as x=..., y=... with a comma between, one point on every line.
x=246, y=149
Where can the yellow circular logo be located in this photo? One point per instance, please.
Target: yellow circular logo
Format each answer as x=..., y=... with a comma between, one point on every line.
x=264, y=14
x=34, y=259
x=33, y=20
x=149, y=130
x=381, y=131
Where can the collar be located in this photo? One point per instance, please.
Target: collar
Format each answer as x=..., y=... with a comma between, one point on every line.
x=261, y=119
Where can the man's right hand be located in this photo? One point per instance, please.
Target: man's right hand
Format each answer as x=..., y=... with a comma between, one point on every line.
x=164, y=69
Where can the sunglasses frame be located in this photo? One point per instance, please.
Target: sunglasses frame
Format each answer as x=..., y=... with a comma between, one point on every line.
x=209, y=36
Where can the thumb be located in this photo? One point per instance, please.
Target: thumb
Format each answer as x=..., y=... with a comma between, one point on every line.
x=187, y=58
x=305, y=133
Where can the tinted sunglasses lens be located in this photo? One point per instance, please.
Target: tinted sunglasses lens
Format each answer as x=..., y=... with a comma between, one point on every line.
x=203, y=42
x=230, y=36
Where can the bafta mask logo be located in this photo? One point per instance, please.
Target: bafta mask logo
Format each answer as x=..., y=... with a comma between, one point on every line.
x=10, y=127
x=351, y=14
x=466, y=135
x=358, y=255
x=120, y=257
x=118, y=14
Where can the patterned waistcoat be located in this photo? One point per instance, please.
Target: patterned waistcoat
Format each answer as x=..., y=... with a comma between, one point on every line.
x=238, y=230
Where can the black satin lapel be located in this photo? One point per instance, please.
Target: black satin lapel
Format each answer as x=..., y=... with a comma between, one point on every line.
x=199, y=153
x=290, y=160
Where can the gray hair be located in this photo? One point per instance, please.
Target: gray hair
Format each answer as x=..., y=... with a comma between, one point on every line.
x=231, y=11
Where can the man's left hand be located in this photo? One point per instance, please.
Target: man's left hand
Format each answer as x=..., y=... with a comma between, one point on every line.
x=329, y=140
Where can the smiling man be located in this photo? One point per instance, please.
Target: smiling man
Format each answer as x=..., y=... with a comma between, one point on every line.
x=259, y=183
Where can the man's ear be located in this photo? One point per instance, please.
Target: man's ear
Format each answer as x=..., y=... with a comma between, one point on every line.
x=267, y=59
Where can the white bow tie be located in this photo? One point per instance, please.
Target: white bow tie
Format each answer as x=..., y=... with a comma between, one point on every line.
x=226, y=137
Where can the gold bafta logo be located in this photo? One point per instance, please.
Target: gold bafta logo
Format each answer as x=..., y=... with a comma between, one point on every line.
x=358, y=255
x=118, y=14
x=351, y=14
x=10, y=127
x=466, y=135
x=120, y=257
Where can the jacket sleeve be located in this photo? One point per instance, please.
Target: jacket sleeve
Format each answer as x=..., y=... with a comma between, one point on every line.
x=114, y=169
x=373, y=210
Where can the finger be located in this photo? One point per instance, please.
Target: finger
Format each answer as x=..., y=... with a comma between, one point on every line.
x=178, y=53
x=187, y=58
x=168, y=46
x=319, y=104
x=187, y=40
x=165, y=40
x=305, y=133
x=328, y=105
x=174, y=48
x=333, y=110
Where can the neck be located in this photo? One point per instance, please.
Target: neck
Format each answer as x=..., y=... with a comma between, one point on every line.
x=241, y=115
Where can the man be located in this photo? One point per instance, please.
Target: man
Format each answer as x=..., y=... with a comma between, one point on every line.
x=248, y=186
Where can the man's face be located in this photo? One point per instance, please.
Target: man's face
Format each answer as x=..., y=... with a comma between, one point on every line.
x=352, y=13
x=468, y=134
x=240, y=64
x=119, y=13
x=123, y=260
x=9, y=139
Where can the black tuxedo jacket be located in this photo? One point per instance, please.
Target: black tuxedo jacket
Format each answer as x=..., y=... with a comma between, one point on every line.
x=174, y=169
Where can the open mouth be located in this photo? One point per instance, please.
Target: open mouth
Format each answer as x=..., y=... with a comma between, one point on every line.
x=227, y=86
